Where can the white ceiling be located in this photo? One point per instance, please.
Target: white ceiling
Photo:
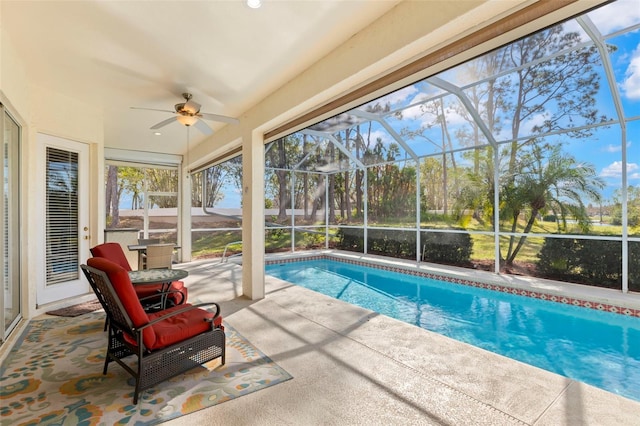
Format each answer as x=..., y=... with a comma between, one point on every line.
x=117, y=54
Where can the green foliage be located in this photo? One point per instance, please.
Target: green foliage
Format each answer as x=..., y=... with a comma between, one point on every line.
x=446, y=247
x=634, y=266
x=393, y=243
x=633, y=207
x=593, y=262
x=350, y=239
x=438, y=247
x=309, y=239
x=392, y=191
x=547, y=178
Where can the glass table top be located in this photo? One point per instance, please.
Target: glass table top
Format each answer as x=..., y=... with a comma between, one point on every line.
x=147, y=276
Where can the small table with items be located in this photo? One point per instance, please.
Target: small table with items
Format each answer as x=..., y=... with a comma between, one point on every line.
x=158, y=276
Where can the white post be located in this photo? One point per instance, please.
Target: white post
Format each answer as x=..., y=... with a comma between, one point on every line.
x=253, y=216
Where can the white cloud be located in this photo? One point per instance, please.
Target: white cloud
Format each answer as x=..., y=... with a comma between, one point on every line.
x=615, y=148
x=631, y=83
x=384, y=136
x=399, y=96
x=535, y=120
x=614, y=170
x=454, y=118
x=413, y=113
x=615, y=16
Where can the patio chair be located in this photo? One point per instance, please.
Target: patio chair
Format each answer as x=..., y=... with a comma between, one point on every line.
x=114, y=252
x=145, y=241
x=158, y=256
x=166, y=343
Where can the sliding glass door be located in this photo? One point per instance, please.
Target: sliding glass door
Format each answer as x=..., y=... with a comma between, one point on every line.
x=10, y=297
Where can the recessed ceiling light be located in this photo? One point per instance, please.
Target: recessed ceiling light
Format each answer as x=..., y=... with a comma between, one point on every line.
x=254, y=4
x=157, y=133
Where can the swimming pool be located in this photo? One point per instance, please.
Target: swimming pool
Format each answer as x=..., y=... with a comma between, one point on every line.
x=598, y=348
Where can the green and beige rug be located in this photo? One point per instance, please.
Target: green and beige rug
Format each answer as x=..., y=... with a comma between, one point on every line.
x=53, y=376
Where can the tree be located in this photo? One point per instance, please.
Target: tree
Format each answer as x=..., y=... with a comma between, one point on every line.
x=546, y=81
x=280, y=156
x=214, y=179
x=549, y=179
x=633, y=207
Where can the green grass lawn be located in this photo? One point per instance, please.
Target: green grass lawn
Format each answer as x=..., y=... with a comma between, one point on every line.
x=212, y=243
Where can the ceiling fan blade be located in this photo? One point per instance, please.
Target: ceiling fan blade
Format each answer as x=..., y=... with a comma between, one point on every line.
x=216, y=117
x=153, y=109
x=191, y=107
x=203, y=127
x=163, y=123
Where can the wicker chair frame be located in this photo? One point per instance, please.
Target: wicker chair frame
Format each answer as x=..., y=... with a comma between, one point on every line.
x=152, y=367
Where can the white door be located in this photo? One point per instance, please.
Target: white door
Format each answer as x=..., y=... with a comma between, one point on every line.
x=65, y=218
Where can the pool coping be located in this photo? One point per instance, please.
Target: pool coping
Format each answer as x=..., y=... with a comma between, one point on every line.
x=580, y=295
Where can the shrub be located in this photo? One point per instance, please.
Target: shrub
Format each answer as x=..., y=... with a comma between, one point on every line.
x=592, y=262
x=350, y=239
x=438, y=247
x=386, y=242
x=446, y=247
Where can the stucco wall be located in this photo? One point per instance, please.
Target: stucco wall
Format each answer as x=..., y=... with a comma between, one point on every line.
x=39, y=110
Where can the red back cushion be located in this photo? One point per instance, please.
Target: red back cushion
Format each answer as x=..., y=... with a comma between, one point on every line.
x=113, y=252
x=121, y=282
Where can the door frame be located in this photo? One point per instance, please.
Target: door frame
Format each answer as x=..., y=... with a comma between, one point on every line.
x=50, y=294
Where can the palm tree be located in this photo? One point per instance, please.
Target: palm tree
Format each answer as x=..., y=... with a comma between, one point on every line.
x=554, y=182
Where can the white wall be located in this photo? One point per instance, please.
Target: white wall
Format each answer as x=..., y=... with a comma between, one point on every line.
x=39, y=110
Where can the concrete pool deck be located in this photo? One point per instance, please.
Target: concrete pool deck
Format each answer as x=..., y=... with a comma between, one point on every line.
x=352, y=366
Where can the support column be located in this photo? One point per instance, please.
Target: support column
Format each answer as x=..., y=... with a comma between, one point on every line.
x=253, y=216
x=184, y=230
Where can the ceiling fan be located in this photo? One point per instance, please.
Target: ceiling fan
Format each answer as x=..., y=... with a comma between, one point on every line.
x=188, y=113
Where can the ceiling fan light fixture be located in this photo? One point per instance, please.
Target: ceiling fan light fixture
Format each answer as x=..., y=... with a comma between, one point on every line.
x=187, y=120
x=254, y=4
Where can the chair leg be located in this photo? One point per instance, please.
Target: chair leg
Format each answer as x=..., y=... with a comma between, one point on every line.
x=106, y=365
x=136, y=391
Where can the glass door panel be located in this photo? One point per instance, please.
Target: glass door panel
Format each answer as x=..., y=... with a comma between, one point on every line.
x=10, y=242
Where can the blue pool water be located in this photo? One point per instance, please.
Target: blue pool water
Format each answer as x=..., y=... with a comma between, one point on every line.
x=598, y=348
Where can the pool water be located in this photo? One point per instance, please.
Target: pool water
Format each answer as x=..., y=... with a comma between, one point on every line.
x=598, y=348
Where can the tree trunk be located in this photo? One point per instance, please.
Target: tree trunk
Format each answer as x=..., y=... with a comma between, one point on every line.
x=526, y=230
x=112, y=196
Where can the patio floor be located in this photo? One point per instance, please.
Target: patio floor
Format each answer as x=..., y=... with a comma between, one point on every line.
x=353, y=366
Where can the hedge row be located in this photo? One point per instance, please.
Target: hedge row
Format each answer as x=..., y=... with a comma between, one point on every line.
x=438, y=247
x=593, y=262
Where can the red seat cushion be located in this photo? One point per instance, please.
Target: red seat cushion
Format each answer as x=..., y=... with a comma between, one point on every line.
x=181, y=326
x=121, y=283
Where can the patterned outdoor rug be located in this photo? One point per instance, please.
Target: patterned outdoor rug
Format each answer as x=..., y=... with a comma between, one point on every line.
x=53, y=375
x=77, y=310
